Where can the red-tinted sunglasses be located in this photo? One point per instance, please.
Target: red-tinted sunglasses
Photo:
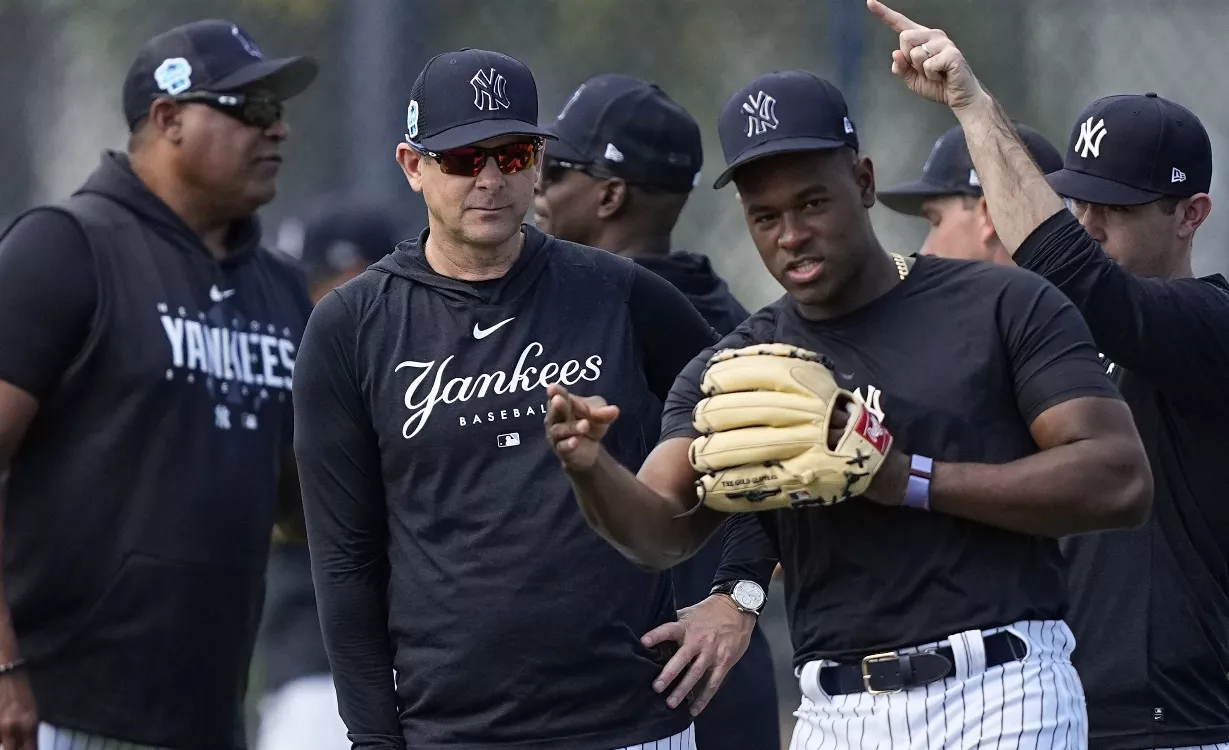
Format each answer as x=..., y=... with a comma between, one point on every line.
x=468, y=161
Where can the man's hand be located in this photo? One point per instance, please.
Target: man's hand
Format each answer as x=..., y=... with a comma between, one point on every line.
x=18, y=713
x=712, y=636
x=928, y=62
x=575, y=426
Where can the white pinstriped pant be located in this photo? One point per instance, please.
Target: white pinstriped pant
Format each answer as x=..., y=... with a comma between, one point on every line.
x=51, y=738
x=1035, y=703
x=684, y=740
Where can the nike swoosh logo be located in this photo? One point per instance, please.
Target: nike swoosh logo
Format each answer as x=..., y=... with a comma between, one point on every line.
x=217, y=295
x=481, y=333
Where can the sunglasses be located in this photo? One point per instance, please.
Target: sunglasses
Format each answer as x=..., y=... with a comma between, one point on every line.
x=468, y=161
x=258, y=111
x=553, y=170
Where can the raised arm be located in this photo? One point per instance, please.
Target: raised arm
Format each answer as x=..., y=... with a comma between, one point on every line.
x=347, y=526
x=1174, y=333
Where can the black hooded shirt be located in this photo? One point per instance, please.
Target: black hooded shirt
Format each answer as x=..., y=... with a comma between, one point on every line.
x=693, y=275
x=446, y=543
x=140, y=503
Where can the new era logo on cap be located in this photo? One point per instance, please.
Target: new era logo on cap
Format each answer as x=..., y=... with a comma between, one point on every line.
x=779, y=112
x=461, y=98
x=1129, y=149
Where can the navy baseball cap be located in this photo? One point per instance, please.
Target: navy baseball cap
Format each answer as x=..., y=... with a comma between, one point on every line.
x=467, y=96
x=633, y=129
x=211, y=55
x=949, y=170
x=1131, y=149
x=779, y=112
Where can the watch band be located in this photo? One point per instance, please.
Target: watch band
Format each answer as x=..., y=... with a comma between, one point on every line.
x=917, y=495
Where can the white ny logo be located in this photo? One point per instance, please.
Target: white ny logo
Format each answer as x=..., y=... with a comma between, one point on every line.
x=871, y=402
x=489, y=90
x=1089, y=141
x=761, y=111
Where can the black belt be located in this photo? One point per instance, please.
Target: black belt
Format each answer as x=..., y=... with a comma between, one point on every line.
x=891, y=672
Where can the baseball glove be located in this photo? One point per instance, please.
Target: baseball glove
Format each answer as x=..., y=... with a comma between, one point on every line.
x=764, y=428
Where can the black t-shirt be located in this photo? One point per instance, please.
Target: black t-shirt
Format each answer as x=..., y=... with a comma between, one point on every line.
x=1150, y=606
x=446, y=543
x=957, y=361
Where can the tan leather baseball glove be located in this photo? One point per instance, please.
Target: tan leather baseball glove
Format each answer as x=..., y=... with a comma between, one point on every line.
x=765, y=423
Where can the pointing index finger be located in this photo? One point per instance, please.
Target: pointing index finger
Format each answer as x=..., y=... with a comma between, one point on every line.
x=897, y=21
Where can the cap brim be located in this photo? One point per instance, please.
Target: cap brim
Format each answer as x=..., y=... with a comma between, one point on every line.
x=908, y=197
x=476, y=132
x=1091, y=189
x=782, y=146
x=562, y=149
x=284, y=77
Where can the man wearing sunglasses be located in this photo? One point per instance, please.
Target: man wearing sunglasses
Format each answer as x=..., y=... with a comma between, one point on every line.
x=147, y=342
x=446, y=544
x=625, y=162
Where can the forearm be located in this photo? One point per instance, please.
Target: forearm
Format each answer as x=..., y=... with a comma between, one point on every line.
x=746, y=553
x=1017, y=194
x=8, y=637
x=640, y=522
x=1085, y=486
x=354, y=623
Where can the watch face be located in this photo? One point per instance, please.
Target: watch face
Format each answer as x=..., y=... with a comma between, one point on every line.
x=748, y=595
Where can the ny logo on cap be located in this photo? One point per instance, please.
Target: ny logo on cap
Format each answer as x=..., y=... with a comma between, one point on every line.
x=248, y=45
x=490, y=91
x=1089, y=141
x=761, y=111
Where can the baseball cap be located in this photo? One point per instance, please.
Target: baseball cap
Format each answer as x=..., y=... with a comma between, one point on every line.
x=779, y=112
x=210, y=55
x=335, y=232
x=949, y=170
x=467, y=96
x=1130, y=149
x=633, y=129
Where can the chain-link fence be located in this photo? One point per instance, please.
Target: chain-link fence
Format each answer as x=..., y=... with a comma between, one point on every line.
x=63, y=61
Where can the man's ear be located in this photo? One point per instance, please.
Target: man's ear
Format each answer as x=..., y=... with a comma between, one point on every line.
x=1198, y=208
x=613, y=199
x=864, y=176
x=166, y=119
x=987, y=233
x=411, y=164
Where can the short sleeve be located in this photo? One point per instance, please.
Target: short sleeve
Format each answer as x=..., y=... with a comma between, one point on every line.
x=1053, y=357
x=676, y=418
x=48, y=294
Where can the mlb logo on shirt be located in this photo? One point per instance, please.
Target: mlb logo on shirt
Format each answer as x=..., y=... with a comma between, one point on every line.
x=508, y=440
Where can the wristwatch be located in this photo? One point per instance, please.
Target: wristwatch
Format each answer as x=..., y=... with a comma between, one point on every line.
x=748, y=596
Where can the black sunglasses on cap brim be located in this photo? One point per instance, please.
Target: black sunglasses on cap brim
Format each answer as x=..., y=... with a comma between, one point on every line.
x=258, y=110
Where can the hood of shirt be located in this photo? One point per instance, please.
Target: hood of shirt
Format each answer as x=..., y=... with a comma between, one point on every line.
x=693, y=275
x=409, y=261
x=114, y=179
